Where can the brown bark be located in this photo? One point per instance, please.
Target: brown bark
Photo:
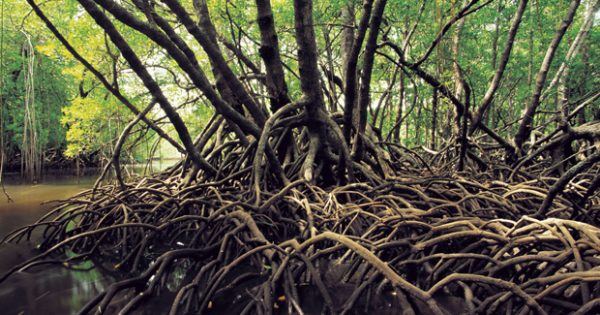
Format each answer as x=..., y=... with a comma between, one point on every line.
x=434, y=110
x=347, y=16
x=206, y=25
x=196, y=74
x=464, y=141
x=559, y=185
x=219, y=61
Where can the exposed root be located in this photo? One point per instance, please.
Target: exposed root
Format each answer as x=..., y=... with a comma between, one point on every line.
x=432, y=245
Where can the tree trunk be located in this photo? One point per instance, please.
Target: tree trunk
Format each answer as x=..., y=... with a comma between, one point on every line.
x=563, y=71
x=527, y=118
x=457, y=77
x=310, y=85
x=491, y=91
x=269, y=51
x=149, y=82
x=347, y=17
x=434, y=109
x=350, y=80
x=365, y=78
x=401, y=92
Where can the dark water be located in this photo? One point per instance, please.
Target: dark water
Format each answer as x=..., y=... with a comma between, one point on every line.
x=48, y=289
x=31, y=201
x=54, y=289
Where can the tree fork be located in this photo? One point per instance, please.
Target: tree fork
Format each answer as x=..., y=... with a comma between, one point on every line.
x=213, y=52
x=309, y=76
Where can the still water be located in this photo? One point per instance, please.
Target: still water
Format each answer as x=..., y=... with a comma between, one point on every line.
x=31, y=201
x=48, y=289
x=55, y=291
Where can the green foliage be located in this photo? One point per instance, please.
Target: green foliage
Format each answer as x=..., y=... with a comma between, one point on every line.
x=79, y=116
x=51, y=94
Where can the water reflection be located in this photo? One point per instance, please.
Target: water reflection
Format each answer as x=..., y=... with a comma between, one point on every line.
x=47, y=289
x=57, y=290
x=32, y=200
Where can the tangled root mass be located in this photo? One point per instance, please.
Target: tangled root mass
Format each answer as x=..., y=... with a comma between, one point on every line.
x=420, y=244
